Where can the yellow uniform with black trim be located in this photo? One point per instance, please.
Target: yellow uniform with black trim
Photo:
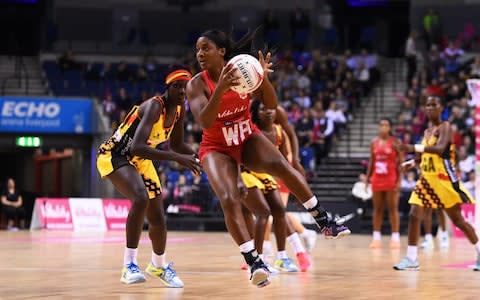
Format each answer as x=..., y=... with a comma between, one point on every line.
x=262, y=181
x=438, y=185
x=115, y=152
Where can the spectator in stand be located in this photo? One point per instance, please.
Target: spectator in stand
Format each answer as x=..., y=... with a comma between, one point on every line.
x=411, y=54
x=370, y=61
x=303, y=128
x=466, y=163
x=196, y=132
x=91, y=73
x=303, y=99
x=324, y=73
x=287, y=98
x=322, y=132
x=434, y=60
x=123, y=73
x=457, y=138
x=362, y=193
x=110, y=109
x=142, y=75
x=190, y=141
x=362, y=189
x=469, y=145
x=458, y=119
x=149, y=62
x=12, y=206
x=107, y=72
x=288, y=76
x=350, y=60
x=403, y=126
x=338, y=117
x=362, y=75
x=442, y=77
x=123, y=102
x=341, y=72
x=332, y=61
x=475, y=69
x=431, y=27
x=418, y=125
x=294, y=113
x=304, y=81
x=341, y=100
x=451, y=55
x=408, y=110
x=453, y=94
x=67, y=62
x=434, y=88
x=407, y=138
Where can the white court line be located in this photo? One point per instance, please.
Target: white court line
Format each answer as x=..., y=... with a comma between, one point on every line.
x=33, y=269
x=116, y=270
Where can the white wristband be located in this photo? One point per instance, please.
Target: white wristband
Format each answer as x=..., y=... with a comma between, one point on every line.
x=408, y=162
x=419, y=148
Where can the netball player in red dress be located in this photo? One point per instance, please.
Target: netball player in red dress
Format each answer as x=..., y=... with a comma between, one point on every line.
x=384, y=175
x=231, y=139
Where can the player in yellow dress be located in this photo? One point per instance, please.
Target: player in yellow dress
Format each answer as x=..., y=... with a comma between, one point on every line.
x=438, y=185
x=263, y=198
x=126, y=160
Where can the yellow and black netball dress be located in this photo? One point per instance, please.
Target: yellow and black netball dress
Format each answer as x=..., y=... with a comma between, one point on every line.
x=262, y=181
x=439, y=185
x=115, y=152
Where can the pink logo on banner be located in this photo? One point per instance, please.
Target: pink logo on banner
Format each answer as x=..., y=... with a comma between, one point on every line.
x=55, y=213
x=468, y=212
x=116, y=212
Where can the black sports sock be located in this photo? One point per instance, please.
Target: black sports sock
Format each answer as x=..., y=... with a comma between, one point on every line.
x=251, y=257
x=320, y=215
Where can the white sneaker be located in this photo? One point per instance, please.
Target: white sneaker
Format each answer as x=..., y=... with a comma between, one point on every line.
x=309, y=238
x=427, y=245
x=444, y=242
x=168, y=276
x=132, y=274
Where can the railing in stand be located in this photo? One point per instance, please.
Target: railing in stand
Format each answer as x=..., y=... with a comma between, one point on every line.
x=20, y=74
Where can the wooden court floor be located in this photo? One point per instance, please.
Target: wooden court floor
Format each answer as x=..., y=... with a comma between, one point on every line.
x=66, y=265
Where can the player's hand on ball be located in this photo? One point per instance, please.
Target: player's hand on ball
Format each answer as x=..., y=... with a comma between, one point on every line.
x=265, y=62
x=228, y=78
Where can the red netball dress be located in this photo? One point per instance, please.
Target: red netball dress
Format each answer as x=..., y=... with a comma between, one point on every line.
x=384, y=173
x=232, y=127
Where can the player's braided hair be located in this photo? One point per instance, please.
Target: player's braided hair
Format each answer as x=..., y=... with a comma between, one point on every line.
x=232, y=48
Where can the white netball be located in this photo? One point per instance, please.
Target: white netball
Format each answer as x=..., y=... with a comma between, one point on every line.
x=250, y=72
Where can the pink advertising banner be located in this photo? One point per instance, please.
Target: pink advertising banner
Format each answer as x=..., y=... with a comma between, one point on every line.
x=80, y=214
x=54, y=213
x=116, y=212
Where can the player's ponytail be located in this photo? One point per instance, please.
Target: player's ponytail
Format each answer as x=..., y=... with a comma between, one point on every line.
x=232, y=48
x=244, y=45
